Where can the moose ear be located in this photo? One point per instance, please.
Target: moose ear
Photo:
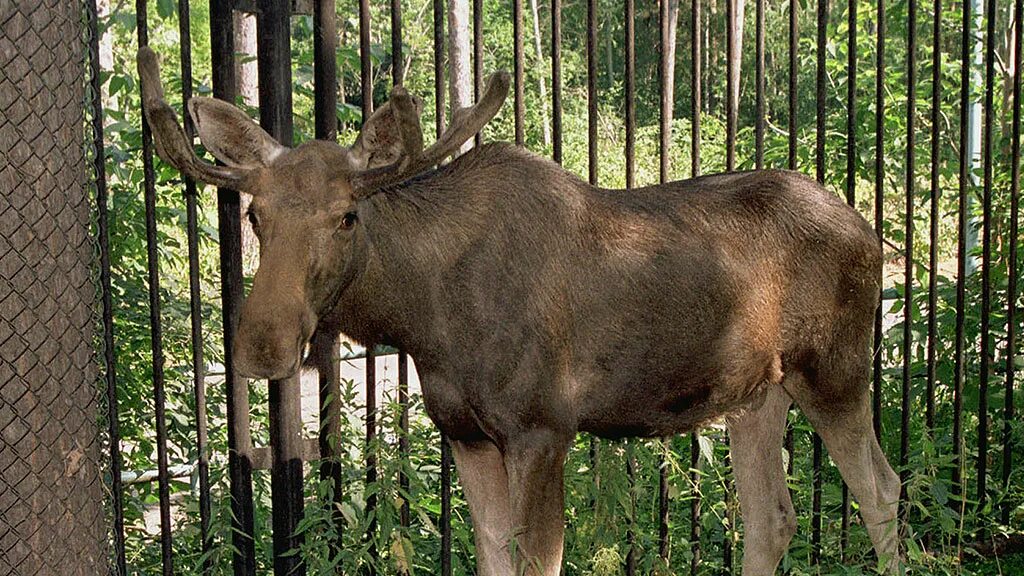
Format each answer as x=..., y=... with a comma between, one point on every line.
x=380, y=141
x=231, y=135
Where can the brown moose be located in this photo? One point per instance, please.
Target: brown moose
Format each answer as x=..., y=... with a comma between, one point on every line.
x=537, y=306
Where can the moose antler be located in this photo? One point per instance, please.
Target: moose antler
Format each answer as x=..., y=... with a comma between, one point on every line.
x=466, y=122
x=171, y=143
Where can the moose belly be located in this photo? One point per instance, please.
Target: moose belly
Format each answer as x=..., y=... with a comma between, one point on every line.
x=646, y=399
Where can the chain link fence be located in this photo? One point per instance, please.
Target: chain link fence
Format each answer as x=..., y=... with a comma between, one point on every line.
x=51, y=496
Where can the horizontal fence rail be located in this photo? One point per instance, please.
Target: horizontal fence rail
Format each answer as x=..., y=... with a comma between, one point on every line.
x=945, y=335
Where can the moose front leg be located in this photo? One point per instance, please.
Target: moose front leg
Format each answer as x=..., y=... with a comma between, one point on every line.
x=485, y=483
x=534, y=461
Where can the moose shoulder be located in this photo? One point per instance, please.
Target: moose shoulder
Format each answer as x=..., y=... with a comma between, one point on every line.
x=536, y=306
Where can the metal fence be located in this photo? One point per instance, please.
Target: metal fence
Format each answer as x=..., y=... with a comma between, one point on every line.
x=287, y=452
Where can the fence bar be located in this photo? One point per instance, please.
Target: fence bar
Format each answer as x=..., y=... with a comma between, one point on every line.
x=732, y=90
x=478, y=59
x=195, y=304
x=397, y=64
x=371, y=456
x=851, y=197
x=273, y=53
x=237, y=389
x=933, y=231
x=819, y=170
x=103, y=238
x=759, y=86
x=365, y=68
x=794, y=42
x=630, y=97
x=556, y=80
x=986, y=253
x=1011, y=289
x=405, y=516
x=959, y=362
x=695, y=111
x=446, y=451
x=908, y=257
x=325, y=117
x=592, y=91
x=517, y=49
x=156, y=332
x=876, y=372
x=667, y=78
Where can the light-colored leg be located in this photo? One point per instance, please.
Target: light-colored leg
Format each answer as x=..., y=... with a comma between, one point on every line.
x=769, y=520
x=846, y=430
x=485, y=483
x=535, y=461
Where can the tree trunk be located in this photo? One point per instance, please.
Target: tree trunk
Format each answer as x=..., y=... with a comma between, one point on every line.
x=540, y=73
x=668, y=83
x=246, y=74
x=51, y=487
x=460, y=78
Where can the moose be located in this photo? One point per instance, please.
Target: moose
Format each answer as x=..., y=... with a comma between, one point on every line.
x=537, y=306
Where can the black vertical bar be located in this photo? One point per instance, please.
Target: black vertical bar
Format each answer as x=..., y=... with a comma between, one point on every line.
x=759, y=86
x=371, y=456
x=517, y=49
x=103, y=238
x=156, y=332
x=592, y=91
x=664, y=142
x=446, y=507
x=397, y=64
x=405, y=516
x=959, y=362
x=273, y=53
x=631, y=548
x=329, y=378
x=986, y=253
x=1011, y=289
x=794, y=40
x=851, y=197
x=876, y=396
x=222, y=50
x=195, y=304
x=630, y=96
x=908, y=234
x=727, y=552
x=365, y=68
x=325, y=103
x=695, y=503
x=446, y=452
x=478, y=59
x=732, y=105
x=819, y=169
x=933, y=235
x=556, y=79
x=695, y=111
x=325, y=73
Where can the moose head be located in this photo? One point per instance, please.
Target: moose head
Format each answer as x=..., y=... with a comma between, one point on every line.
x=305, y=209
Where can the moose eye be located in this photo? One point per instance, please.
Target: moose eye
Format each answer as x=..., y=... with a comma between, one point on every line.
x=348, y=221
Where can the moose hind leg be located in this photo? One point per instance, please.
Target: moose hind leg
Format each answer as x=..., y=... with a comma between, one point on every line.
x=845, y=426
x=769, y=521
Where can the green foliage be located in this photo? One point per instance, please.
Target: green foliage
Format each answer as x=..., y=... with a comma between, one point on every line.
x=600, y=497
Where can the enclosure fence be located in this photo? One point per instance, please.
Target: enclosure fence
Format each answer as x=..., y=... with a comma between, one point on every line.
x=973, y=481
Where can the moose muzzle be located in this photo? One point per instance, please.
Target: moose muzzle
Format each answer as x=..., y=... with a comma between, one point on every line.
x=272, y=332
